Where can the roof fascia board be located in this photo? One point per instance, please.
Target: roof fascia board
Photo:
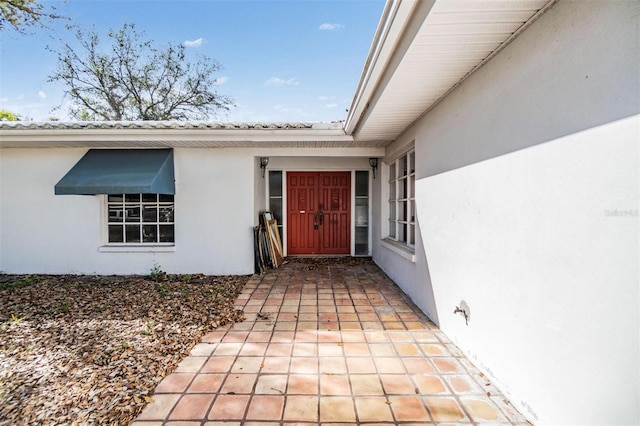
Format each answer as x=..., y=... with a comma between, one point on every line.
x=58, y=137
x=400, y=22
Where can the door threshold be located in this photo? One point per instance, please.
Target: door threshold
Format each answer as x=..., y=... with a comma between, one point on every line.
x=318, y=256
x=333, y=259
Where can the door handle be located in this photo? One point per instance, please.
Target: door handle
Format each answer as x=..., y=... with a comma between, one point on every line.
x=315, y=220
x=321, y=216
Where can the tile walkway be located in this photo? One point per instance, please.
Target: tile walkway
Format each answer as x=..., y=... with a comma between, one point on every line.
x=326, y=343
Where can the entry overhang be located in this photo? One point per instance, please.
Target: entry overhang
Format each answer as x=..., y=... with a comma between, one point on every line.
x=120, y=171
x=422, y=51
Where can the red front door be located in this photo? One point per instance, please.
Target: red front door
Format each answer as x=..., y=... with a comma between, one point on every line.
x=319, y=213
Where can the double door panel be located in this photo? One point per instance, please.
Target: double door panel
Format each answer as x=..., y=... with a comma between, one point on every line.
x=318, y=213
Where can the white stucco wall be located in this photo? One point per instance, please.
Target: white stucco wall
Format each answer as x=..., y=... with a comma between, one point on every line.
x=408, y=268
x=39, y=231
x=45, y=233
x=260, y=190
x=527, y=192
x=219, y=193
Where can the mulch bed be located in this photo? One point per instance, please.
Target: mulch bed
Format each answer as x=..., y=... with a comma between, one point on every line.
x=78, y=349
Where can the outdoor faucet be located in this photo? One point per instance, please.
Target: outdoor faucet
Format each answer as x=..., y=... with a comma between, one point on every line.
x=462, y=311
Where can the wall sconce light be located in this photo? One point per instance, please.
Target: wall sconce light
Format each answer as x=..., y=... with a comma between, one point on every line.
x=263, y=164
x=373, y=162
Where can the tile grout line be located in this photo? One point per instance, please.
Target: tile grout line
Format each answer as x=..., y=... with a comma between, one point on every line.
x=228, y=372
x=267, y=347
x=351, y=288
x=406, y=371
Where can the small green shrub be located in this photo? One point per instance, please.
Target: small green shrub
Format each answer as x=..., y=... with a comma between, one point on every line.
x=26, y=281
x=65, y=306
x=157, y=274
x=162, y=289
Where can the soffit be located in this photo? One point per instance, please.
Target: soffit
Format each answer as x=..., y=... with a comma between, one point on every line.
x=454, y=39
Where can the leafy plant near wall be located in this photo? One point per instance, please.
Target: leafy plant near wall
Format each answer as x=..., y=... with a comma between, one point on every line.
x=157, y=274
x=25, y=281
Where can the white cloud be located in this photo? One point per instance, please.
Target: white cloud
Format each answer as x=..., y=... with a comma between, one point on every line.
x=331, y=105
x=39, y=106
x=38, y=111
x=330, y=27
x=325, y=98
x=194, y=43
x=222, y=80
x=277, y=82
x=300, y=112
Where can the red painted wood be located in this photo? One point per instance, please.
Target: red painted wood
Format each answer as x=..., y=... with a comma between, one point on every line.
x=308, y=194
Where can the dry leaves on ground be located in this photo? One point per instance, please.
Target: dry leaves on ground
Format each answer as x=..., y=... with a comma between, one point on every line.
x=314, y=263
x=91, y=349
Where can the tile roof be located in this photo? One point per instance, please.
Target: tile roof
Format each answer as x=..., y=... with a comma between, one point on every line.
x=193, y=125
x=188, y=134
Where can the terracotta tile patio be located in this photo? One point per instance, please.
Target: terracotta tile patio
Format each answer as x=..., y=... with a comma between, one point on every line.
x=322, y=344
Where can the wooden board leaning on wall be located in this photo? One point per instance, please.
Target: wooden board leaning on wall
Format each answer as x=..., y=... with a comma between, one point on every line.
x=268, y=245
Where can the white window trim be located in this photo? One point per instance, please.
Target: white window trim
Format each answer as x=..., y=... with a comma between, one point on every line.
x=353, y=213
x=404, y=249
x=399, y=249
x=407, y=198
x=283, y=197
x=137, y=249
x=109, y=247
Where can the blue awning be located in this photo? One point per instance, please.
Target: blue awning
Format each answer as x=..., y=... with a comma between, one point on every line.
x=120, y=171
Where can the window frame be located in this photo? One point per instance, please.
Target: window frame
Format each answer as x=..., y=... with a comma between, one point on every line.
x=401, y=201
x=276, y=200
x=143, y=201
x=361, y=213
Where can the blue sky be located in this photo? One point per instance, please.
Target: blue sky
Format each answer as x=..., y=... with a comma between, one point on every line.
x=283, y=61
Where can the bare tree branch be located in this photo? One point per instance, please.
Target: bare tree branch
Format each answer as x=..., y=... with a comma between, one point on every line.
x=24, y=13
x=127, y=78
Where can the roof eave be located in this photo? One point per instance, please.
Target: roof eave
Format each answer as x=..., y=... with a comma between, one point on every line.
x=165, y=137
x=166, y=134
x=388, y=84
x=387, y=43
